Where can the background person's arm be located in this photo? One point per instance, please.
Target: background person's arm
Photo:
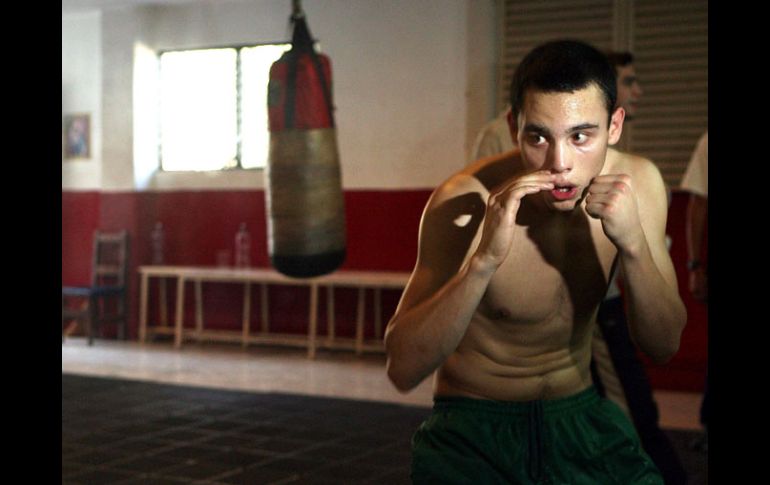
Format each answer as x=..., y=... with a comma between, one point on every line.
x=697, y=212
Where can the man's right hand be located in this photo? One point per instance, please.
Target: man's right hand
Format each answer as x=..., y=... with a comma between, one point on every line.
x=500, y=218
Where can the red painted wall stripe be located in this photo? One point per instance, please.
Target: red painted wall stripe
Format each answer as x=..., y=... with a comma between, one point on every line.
x=382, y=229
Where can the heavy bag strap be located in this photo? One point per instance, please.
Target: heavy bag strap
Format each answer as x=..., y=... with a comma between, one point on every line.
x=302, y=43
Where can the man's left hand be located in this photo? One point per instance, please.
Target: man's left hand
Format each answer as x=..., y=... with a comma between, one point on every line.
x=611, y=198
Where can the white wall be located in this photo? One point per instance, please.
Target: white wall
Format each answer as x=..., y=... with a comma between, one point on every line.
x=122, y=30
x=81, y=92
x=406, y=90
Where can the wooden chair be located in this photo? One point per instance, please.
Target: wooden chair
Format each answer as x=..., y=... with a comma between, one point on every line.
x=105, y=301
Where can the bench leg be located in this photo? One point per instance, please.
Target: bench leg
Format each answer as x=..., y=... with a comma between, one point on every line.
x=313, y=325
x=360, y=322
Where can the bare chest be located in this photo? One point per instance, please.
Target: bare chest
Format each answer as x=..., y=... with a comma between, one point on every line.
x=551, y=274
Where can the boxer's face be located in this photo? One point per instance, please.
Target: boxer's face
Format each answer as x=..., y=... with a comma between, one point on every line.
x=629, y=90
x=568, y=134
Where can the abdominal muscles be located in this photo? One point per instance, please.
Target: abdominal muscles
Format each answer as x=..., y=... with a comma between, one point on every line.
x=503, y=359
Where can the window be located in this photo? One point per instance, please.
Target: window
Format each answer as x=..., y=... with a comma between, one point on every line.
x=213, y=107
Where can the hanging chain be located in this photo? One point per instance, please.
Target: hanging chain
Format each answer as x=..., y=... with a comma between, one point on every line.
x=296, y=9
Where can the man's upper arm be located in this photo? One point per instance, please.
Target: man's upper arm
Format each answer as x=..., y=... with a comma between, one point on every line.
x=652, y=200
x=448, y=230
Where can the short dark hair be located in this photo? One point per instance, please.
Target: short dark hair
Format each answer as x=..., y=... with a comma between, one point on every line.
x=620, y=58
x=562, y=66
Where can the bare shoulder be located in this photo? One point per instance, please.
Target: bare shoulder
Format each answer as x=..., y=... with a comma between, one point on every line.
x=455, y=212
x=479, y=177
x=648, y=185
x=450, y=221
x=645, y=175
x=459, y=201
x=458, y=184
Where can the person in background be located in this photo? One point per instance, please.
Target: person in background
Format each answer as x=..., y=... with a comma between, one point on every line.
x=494, y=137
x=629, y=89
x=695, y=181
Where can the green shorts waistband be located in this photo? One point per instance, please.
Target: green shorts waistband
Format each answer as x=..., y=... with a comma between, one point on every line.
x=575, y=402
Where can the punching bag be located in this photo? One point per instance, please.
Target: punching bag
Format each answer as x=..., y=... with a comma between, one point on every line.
x=305, y=206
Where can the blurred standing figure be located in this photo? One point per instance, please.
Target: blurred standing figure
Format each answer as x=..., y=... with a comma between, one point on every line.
x=494, y=137
x=629, y=89
x=695, y=181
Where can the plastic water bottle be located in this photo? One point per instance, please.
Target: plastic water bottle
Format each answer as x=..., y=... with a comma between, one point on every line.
x=157, y=243
x=242, y=247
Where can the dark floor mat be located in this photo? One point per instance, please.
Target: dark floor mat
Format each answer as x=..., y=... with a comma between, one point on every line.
x=123, y=432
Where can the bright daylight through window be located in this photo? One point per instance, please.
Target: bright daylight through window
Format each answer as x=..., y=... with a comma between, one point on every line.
x=208, y=119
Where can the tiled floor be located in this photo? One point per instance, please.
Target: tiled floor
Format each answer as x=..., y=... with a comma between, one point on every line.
x=265, y=369
x=234, y=416
x=129, y=432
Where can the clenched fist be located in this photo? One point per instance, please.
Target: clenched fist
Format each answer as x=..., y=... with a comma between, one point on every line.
x=611, y=198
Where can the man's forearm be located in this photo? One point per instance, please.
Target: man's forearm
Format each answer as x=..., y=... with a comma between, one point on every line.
x=418, y=341
x=656, y=313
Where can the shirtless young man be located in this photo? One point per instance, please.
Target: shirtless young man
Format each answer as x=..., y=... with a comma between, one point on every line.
x=515, y=253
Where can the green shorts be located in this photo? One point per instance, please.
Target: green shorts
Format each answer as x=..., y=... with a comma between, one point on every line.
x=581, y=439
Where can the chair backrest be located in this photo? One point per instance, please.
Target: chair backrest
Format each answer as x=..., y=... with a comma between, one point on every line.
x=110, y=258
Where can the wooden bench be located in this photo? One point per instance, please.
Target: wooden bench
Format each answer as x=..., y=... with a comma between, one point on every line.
x=362, y=280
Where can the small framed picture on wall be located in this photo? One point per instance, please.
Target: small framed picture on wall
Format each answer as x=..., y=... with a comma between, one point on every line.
x=77, y=136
